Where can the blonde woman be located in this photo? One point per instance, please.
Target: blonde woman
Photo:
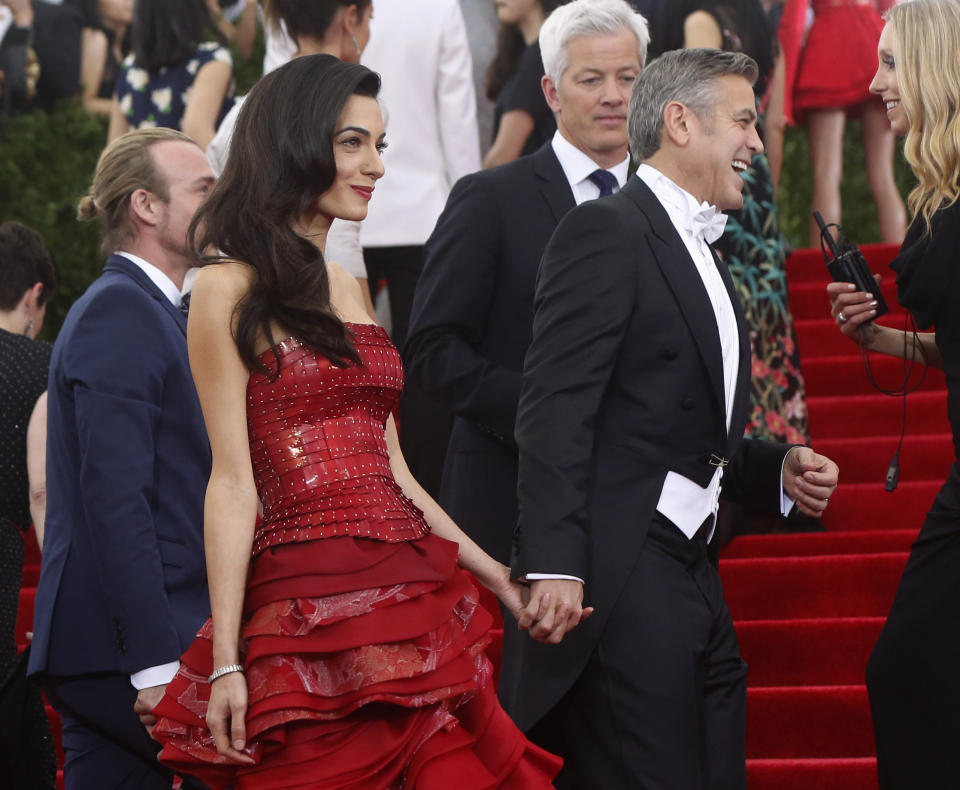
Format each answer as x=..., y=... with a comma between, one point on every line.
x=912, y=676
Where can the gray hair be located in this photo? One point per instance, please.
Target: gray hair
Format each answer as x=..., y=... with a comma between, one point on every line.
x=687, y=76
x=587, y=18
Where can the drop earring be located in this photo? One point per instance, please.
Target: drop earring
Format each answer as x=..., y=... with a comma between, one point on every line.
x=356, y=45
x=29, y=330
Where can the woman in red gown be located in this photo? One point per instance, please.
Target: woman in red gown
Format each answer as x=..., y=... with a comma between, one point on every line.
x=346, y=648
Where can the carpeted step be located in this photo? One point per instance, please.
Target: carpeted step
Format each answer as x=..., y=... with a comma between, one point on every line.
x=824, y=652
x=804, y=265
x=810, y=300
x=791, y=588
x=868, y=506
x=850, y=773
x=810, y=544
x=864, y=415
x=818, y=336
x=814, y=721
x=844, y=374
x=866, y=459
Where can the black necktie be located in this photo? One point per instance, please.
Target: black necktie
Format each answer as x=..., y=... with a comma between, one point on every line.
x=605, y=180
x=185, y=303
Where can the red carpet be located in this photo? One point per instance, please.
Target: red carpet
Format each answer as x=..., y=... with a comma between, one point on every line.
x=808, y=607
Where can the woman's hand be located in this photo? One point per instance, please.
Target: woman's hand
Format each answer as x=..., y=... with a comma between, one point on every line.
x=226, y=716
x=853, y=310
x=509, y=593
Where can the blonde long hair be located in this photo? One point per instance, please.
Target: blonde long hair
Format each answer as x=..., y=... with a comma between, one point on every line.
x=928, y=73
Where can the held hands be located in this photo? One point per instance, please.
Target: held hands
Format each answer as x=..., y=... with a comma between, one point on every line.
x=809, y=479
x=226, y=716
x=554, y=607
x=147, y=700
x=853, y=310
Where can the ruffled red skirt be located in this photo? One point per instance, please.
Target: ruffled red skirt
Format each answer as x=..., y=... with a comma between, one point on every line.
x=366, y=670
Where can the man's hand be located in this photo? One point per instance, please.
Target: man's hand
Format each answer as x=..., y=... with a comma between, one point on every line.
x=809, y=479
x=555, y=607
x=147, y=700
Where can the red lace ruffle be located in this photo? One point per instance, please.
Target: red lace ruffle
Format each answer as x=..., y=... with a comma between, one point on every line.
x=365, y=669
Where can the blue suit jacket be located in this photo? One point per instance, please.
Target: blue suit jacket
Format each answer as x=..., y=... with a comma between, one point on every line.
x=123, y=581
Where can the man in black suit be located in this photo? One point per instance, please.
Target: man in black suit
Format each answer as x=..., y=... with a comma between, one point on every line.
x=472, y=311
x=632, y=412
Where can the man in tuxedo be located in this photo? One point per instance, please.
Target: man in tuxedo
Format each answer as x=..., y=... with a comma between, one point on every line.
x=123, y=589
x=472, y=311
x=631, y=418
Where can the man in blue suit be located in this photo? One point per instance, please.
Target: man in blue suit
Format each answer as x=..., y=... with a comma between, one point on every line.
x=123, y=586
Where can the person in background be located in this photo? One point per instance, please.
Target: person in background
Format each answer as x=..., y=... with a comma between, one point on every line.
x=39, y=54
x=831, y=83
x=473, y=306
x=27, y=280
x=237, y=22
x=340, y=28
x=421, y=49
x=106, y=42
x=122, y=585
x=522, y=120
x=179, y=74
x=912, y=675
x=345, y=646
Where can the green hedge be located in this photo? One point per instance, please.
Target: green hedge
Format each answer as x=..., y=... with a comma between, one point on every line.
x=47, y=160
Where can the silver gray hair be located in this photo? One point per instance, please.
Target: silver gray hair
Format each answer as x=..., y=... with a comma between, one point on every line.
x=587, y=18
x=688, y=76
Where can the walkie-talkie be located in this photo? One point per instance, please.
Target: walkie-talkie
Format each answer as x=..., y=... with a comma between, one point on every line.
x=847, y=265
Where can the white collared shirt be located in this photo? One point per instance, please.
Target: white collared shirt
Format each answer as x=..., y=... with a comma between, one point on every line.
x=682, y=500
x=157, y=277
x=577, y=167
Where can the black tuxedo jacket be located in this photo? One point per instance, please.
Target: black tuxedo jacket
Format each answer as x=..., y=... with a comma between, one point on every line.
x=623, y=382
x=123, y=583
x=470, y=328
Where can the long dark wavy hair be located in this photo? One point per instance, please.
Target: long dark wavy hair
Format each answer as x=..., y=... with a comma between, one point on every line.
x=510, y=47
x=281, y=160
x=168, y=32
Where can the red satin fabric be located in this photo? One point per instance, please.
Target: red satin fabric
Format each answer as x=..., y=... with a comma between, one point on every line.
x=364, y=656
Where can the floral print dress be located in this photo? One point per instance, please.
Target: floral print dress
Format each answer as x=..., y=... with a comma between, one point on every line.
x=160, y=98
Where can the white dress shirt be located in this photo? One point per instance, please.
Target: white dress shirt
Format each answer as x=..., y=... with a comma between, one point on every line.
x=682, y=500
x=577, y=167
x=162, y=674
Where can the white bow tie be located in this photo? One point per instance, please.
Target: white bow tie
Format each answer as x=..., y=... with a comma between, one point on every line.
x=708, y=222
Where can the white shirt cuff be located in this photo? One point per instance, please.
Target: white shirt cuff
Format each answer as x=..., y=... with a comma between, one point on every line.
x=154, y=676
x=786, y=503
x=535, y=577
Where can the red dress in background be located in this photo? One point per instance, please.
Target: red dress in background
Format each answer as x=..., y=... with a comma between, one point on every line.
x=362, y=640
x=839, y=58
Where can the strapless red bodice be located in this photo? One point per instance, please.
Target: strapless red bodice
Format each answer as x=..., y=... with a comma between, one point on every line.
x=319, y=449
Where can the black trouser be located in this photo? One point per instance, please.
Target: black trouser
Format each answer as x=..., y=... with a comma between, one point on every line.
x=661, y=704
x=105, y=745
x=424, y=424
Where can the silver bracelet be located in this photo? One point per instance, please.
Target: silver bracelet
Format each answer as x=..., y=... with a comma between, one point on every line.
x=225, y=670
